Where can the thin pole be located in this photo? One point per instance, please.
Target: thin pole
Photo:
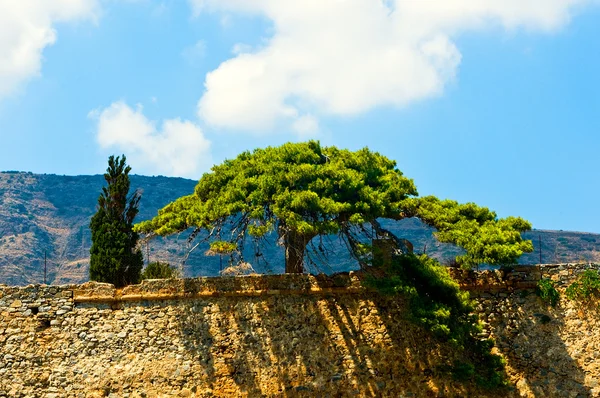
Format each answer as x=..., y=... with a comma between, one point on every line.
x=540, y=243
x=45, y=267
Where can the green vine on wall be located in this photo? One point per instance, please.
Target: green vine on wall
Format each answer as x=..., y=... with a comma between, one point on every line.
x=438, y=305
x=546, y=290
x=586, y=287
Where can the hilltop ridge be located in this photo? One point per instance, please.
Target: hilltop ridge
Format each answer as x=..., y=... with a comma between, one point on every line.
x=49, y=214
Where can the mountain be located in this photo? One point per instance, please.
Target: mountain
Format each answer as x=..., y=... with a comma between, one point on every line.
x=48, y=215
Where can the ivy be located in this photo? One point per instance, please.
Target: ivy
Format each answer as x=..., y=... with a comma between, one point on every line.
x=585, y=287
x=546, y=290
x=439, y=306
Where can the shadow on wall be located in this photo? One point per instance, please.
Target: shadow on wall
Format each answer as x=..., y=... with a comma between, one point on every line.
x=312, y=345
x=306, y=336
x=346, y=344
x=545, y=347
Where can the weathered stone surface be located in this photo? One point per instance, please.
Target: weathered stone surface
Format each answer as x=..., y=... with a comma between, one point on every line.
x=282, y=335
x=16, y=304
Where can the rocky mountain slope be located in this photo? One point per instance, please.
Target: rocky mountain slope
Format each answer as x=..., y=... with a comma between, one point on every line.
x=48, y=215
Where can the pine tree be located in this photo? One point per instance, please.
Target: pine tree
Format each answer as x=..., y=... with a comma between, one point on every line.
x=303, y=190
x=113, y=255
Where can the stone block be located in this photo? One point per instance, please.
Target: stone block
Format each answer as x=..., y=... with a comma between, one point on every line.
x=16, y=304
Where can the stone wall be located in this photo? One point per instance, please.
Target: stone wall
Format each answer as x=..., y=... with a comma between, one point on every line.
x=281, y=335
x=549, y=351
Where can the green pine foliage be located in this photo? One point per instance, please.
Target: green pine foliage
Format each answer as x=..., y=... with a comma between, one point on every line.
x=113, y=255
x=221, y=247
x=304, y=190
x=159, y=270
x=439, y=306
x=485, y=238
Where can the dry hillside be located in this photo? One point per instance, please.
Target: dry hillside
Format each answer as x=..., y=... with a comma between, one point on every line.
x=50, y=214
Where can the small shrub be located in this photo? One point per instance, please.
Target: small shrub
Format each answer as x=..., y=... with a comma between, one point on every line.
x=546, y=291
x=159, y=270
x=585, y=287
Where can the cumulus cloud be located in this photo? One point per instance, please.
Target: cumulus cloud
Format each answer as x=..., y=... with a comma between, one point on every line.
x=26, y=28
x=177, y=148
x=344, y=57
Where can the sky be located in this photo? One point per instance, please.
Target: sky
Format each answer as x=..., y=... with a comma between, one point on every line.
x=485, y=101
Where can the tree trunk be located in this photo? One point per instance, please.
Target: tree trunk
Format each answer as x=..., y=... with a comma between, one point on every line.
x=295, y=244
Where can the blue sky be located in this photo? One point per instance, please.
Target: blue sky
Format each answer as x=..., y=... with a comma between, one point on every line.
x=492, y=102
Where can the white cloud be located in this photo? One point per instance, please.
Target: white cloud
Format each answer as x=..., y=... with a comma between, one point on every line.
x=240, y=48
x=306, y=126
x=194, y=53
x=178, y=148
x=26, y=28
x=344, y=57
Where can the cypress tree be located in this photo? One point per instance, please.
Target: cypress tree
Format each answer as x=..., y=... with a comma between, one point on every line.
x=113, y=255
